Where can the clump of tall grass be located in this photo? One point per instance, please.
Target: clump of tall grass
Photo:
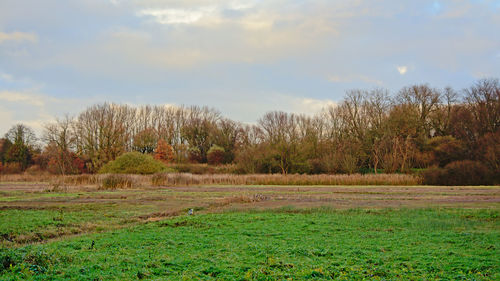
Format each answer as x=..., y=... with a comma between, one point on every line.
x=84, y=179
x=113, y=181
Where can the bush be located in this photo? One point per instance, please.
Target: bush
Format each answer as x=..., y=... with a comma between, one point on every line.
x=203, y=169
x=467, y=173
x=116, y=181
x=133, y=163
x=433, y=176
x=34, y=170
x=164, y=152
x=318, y=167
x=447, y=149
x=459, y=173
x=215, y=155
x=12, y=168
x=194, y=155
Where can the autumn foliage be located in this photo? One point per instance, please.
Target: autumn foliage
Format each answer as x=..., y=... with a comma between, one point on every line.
x=441, y=134
x=164, y=152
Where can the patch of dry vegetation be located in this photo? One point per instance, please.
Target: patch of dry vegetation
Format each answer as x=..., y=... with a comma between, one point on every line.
x=178, y=179
x=186, y=179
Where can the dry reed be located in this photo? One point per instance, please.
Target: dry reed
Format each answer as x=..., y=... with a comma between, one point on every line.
x=186, y=179
x=178, y=179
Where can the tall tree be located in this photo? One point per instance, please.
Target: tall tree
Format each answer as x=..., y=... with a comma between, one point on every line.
x=60, y=135
x=23, y=141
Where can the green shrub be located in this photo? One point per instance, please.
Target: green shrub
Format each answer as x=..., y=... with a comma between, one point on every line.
x=203, y=169
x=133, y=163
x=116, y=181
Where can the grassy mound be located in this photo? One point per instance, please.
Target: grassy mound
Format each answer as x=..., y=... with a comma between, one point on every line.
x=133, y=163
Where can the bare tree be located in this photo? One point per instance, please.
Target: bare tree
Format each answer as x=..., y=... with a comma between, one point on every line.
x=61, y=135
x=423, y=100
x=483, y=99
x=104, y=132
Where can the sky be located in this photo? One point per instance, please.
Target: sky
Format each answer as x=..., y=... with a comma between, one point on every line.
x=242, y=57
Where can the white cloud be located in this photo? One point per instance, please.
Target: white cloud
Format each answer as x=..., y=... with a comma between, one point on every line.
x=310, y=106
x=35, y=109
x=177, y=16
x=18, y=97
x=294, y=104
x=402, y=69
x=18, y=37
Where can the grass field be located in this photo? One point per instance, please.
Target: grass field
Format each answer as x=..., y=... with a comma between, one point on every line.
x=249, y=232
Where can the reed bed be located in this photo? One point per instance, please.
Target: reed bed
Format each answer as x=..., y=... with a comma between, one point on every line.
x=103, y=180
x=187, y=179
x=180, y=179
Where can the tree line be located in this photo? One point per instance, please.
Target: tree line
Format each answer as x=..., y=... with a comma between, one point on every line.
x=375, y=131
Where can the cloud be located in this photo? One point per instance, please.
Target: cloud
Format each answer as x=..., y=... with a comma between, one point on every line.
x=310, y=106
x=402, y=69
x=18, y=97
x=18, y=37
x=177, y=16
x=294, y=104
x=35, y=109
x=226, y=53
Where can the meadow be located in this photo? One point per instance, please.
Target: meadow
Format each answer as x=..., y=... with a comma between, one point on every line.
x=75, y=229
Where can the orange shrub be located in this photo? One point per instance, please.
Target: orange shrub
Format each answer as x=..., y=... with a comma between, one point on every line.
x=164, y=152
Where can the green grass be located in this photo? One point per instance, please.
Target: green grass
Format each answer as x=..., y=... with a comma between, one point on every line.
x=320, y=244
x=25, y=226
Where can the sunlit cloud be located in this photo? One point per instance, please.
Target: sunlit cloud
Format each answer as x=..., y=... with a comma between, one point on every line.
x=402, y=69
x=310, y=106
x=177, y=16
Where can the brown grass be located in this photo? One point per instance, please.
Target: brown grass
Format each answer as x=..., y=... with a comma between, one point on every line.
x=186, y=179
x=177, y=179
